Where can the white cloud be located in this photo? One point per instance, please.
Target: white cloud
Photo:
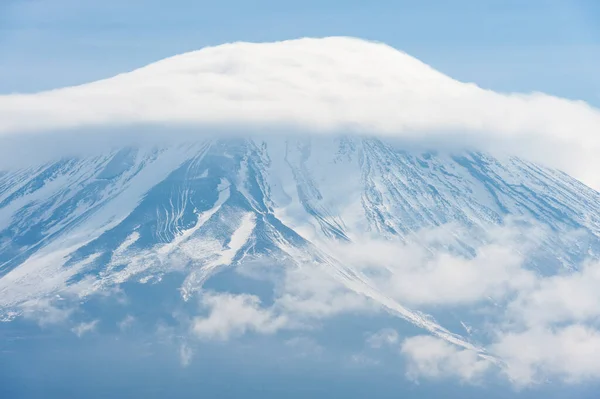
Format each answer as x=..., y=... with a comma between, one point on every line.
x=547, y=331
x=47, y=311
x=309, y=292
x=185, y=354
x=84, y=328
x=550, y=330
x=411, y=274
x=433, y=358
x=567, y=297
x=305, y=290
x=305, y=295
x=233, y=315
x=333, y=84
x=539, y=327
x=383, y=337
x=451, y=280
x=567, y=353
x=528, y=337
x=126, y=323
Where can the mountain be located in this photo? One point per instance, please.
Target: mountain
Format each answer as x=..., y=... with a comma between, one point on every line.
x=266, y=188
x=139, y=214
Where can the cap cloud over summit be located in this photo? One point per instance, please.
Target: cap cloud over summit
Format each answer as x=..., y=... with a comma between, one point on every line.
x=334, y=84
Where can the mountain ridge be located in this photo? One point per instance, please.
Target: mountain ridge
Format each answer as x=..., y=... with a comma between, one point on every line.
x=81, y=226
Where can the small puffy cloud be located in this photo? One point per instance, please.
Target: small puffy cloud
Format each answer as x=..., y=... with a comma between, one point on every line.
x=549, y=331
x=566, y=353
x=433, y=358
x=85, y=327
x=234, y=315
x=47, y=311
x=308, y=292
x=566, y=297
x=383, y=337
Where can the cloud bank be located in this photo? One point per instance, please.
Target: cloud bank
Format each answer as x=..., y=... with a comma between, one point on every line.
x=532, y=327
x=333, y=84
x=527, y=325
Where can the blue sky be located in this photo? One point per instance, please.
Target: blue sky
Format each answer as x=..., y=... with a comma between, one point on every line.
x=510, y=45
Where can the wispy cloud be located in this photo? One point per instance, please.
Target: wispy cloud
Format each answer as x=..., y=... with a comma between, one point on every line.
x=126, y=323
x=231, y=315
x=382, y=338
x=84, y=328
x=185, y=354
x=432, y=358
x=414, y=276
x=304, y=346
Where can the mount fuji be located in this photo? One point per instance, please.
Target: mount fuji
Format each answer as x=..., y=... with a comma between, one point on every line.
x=356, y=220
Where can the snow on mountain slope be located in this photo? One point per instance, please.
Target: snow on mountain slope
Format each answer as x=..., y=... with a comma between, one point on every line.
x=84, y=225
